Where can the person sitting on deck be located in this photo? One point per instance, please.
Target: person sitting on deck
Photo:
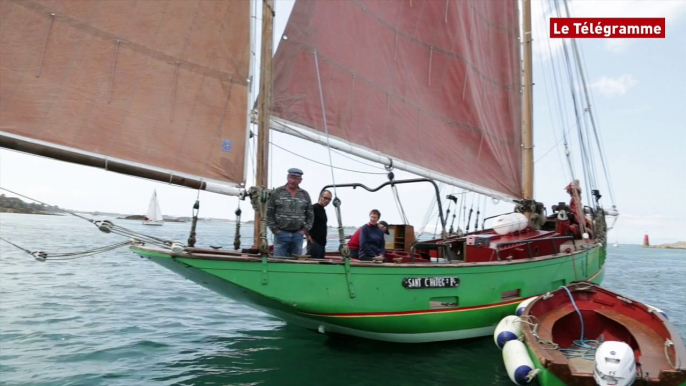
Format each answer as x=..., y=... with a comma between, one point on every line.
x=372, y=242
x=354, y=242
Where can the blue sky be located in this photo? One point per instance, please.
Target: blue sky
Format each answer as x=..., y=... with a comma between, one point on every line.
x=637, y=85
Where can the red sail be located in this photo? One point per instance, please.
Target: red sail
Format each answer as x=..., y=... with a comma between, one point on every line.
x=435, y=83
x=154, y=83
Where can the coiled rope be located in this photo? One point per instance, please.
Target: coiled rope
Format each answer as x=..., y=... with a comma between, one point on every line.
x=587, y=347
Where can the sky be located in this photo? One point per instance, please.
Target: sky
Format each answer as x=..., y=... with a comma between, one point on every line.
x=637, y=88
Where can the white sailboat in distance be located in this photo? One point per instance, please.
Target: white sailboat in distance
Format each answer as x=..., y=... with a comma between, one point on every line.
x=154, y=214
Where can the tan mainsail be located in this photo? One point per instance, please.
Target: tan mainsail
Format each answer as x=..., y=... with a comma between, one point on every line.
x=160, y=84
x=435, y=83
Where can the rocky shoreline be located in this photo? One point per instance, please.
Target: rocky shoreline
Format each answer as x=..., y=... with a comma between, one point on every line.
x=677, y=245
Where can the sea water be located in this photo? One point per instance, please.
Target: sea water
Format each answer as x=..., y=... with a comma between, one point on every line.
x=117, y=319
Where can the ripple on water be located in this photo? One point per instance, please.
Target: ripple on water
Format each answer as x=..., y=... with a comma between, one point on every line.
x=116, y=319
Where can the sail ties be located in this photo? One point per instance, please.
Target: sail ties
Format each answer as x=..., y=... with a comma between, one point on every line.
x=237, y=236
x=194, y=223
x=45, y=45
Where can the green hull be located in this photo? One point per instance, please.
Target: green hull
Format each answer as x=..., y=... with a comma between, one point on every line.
x=370, y=301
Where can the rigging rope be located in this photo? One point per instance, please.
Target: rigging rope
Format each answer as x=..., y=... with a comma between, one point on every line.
x=337, y=202
x=63, y=256
x=44, y=256
x=321, y=163
x=356, y=160
x=106, y=226
x=587, y=347
x=458, y=231
x=471, y=209
x=430, y=210
x=399, y=204
x=590, y=112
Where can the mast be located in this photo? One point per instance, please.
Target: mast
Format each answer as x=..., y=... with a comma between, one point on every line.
x=527, y=109
x=264, y=104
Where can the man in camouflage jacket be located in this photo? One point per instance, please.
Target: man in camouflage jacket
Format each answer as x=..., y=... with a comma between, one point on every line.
x=289, y=215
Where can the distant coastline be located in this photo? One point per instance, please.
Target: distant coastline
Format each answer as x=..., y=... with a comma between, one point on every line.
x=677, y=245
x=15, y=205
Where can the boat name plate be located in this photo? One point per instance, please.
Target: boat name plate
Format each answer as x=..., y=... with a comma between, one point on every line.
x=430, y=282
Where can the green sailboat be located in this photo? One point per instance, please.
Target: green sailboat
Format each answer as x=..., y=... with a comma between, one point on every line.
x=429, y=87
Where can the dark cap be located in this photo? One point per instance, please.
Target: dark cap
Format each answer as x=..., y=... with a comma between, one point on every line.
x=385, y=224
x=295, y=172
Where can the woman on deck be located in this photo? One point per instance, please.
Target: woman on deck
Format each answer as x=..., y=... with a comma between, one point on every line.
x=372, y=242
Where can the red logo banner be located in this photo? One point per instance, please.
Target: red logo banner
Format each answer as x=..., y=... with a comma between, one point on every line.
x=607, y=27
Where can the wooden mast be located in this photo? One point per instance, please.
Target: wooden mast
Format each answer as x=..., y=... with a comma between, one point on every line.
x=264, y=104
x=527, y=109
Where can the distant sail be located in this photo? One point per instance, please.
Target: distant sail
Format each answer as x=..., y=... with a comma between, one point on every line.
x=154, y=214
x=159, y=84
x=433, y=83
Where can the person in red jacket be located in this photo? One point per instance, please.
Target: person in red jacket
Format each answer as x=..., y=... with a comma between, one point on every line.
x=354, y=242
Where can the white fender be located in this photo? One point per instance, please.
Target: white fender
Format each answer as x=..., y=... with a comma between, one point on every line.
x=509, y=223
x=655, y=309
x=522, y=305
x=508, y=329
x=519, y=366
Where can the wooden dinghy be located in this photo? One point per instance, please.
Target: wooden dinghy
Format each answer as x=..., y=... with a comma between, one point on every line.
x=584, y=334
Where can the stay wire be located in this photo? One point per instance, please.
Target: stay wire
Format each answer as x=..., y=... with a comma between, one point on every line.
x=41, y=202
x=321, y=163
x=68, y=255
x=326, y=126
x=105, y=226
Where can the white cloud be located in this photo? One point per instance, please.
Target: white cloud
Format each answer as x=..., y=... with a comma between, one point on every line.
x=612, y=87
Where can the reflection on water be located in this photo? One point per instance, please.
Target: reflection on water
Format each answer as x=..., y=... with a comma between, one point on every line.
x=116, y=319
x=289, y=355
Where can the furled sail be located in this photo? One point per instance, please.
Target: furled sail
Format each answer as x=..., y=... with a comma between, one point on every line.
x=158, y=86
x=435, y=83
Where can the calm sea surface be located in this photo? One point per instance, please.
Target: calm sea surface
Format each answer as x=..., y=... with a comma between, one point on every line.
x=117, y=319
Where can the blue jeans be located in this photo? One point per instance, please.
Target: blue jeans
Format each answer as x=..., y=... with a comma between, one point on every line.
x=288, y=244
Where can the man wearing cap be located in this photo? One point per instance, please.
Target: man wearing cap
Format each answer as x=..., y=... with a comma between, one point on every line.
x=289, y=215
